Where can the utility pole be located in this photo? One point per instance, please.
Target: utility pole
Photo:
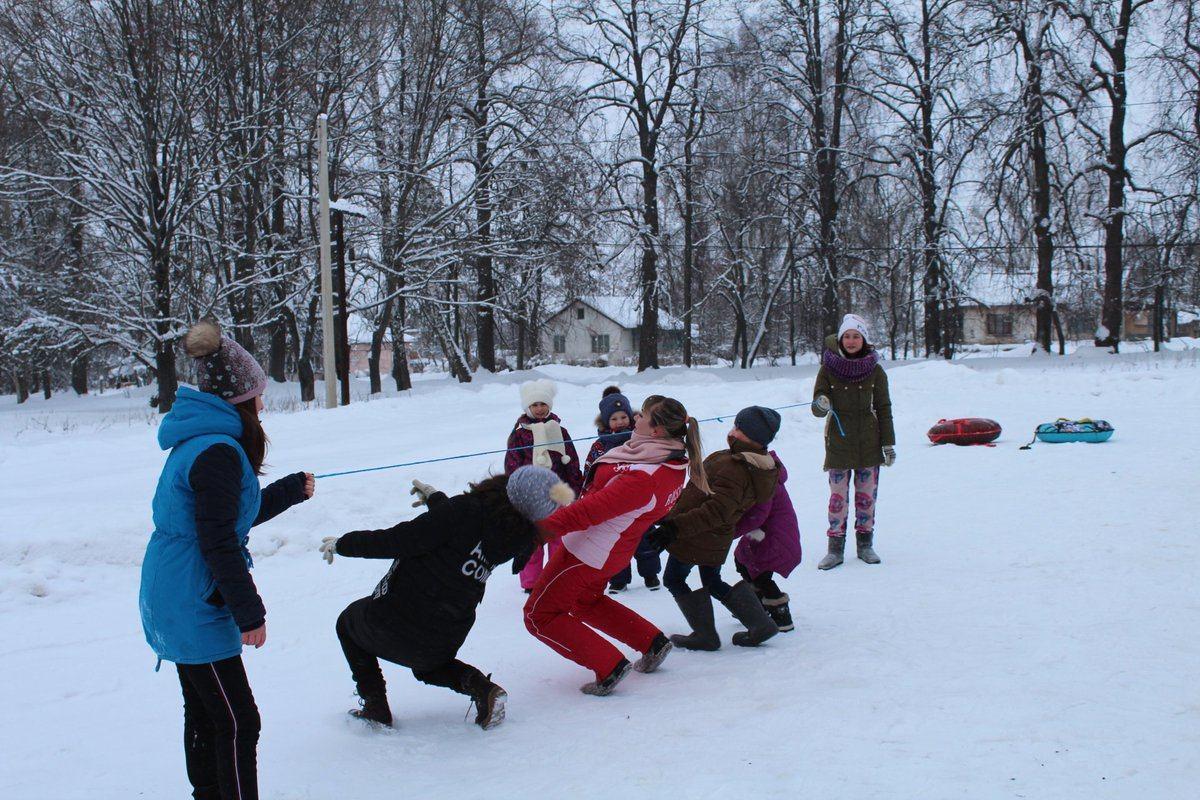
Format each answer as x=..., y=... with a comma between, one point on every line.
x=328, y=365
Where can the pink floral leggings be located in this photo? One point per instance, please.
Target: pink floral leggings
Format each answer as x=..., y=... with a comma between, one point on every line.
x=866, y=489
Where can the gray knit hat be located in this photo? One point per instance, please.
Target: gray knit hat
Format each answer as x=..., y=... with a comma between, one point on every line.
x=536, y=492
x=759, y=423
x=223, y=366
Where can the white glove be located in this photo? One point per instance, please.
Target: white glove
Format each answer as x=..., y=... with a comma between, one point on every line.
x=423, y=491
x=821, y=405
x=757, y=535
x=889, y=456
x=329, y=548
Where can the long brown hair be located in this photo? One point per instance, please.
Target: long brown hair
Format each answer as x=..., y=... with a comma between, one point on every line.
x=253, y=439
x=670, y=414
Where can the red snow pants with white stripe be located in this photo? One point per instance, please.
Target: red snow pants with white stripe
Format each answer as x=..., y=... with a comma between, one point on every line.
x=568, y=601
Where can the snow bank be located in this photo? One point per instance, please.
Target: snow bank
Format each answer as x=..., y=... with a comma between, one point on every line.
x=1031, y=632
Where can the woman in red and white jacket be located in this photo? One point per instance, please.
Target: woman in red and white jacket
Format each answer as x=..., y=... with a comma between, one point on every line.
x=627, y=490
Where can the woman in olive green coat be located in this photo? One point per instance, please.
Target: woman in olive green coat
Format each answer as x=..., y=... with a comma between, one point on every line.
x=854, y=385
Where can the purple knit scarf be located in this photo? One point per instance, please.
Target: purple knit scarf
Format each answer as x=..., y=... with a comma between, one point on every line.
x=850, y=370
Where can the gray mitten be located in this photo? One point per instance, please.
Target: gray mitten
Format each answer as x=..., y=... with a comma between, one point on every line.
x=889, y=456
x=821, y=405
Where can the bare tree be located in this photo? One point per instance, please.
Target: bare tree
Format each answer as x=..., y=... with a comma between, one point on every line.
x=632, y=53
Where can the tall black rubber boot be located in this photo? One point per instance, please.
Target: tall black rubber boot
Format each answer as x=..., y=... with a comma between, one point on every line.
x=697, y=609
x=748, y=609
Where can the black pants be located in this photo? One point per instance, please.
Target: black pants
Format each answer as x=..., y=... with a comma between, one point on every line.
x=676, y=573
x=220, y=730
x=363, y=652
x=764, y=584
x=648, y=560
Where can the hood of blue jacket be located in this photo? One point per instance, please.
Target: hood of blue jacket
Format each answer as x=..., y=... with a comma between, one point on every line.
x=197, y=414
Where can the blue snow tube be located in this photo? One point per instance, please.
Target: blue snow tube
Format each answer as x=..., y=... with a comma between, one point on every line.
x=1092, y=431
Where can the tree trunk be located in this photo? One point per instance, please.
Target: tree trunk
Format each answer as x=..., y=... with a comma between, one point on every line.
x=1109, y=334
x=689, y=230
x=1035, y=123
x=304, y=354
x=377, y=337
x=46, y=386
x=79, y=374
x=934, y=282
x=22, y=386
x=521, y=333
x=277, y=350
x=455, y=358
x=164, y=341
x=1158, y=317
x=648, y=336
x=341, y=344
x=400, y=371
x=485, y=297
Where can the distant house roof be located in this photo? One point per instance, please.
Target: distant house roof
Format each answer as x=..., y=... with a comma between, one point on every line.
x=625, y=311
x=998, y=288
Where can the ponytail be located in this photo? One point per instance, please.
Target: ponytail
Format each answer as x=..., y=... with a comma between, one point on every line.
x=670, y=414
x=696, y=455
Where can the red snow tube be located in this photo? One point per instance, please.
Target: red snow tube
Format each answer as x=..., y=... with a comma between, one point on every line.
x=971, y=430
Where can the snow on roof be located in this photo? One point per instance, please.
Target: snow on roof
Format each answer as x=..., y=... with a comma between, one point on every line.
x=1187, y=316
x=998, y=288
x=626, y=311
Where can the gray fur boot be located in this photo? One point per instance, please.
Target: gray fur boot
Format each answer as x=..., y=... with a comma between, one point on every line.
x=837, y=546
x=865, y=551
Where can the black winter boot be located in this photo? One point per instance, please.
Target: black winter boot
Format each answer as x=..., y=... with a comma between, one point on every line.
x=604, y=688
x=374, y=709
x=865, y=551
x=744, y=605
x=489, y=700
x=659, y=649
x=837, y=547
x=781, y=615
x=697, y=609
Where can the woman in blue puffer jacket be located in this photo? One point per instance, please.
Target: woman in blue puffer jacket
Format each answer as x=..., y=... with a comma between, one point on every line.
x=198, y=602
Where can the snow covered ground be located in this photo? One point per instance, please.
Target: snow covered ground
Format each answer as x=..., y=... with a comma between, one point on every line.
x=1032, y=631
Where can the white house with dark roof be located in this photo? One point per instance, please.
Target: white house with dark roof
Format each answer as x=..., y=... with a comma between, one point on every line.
x=604, y=327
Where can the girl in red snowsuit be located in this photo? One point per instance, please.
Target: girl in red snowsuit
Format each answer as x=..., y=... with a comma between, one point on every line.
x=626, y=491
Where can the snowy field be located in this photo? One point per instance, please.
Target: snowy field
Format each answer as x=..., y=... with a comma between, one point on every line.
x=1033, y=631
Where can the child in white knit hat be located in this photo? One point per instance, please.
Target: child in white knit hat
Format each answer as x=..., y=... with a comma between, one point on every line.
x=539, y=438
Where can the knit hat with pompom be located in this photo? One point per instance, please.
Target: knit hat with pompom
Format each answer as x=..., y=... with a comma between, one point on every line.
x=536, y=492
x=613, y=401
x=223, y=366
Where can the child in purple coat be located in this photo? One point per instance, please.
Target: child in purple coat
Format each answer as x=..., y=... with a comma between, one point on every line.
x=539, y=438
x=769, y=544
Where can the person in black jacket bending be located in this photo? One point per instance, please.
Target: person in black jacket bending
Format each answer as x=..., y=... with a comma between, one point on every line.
x=421, y=612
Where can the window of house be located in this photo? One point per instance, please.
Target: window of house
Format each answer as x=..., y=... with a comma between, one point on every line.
x=579, y=313
x=999, y=324
x=560, y=344
x=599, y=343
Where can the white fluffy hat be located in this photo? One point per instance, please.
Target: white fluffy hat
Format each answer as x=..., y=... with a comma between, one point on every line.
x=540, y=391
x=853, y=322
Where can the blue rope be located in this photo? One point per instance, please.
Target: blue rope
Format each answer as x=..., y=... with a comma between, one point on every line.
x=546, y=444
